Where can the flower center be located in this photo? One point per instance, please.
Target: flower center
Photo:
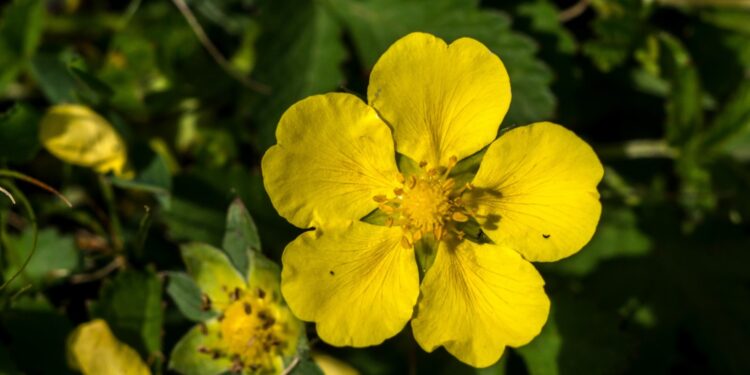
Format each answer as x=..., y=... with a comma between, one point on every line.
x=426, y=203
x=251, y=332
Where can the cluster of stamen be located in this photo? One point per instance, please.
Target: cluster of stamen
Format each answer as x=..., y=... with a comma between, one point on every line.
x=426, y=203
x=250, y=334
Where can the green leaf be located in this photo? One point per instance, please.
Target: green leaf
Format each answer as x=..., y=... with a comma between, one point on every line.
x=241, y=236
x=684, y=102
x=19, y=134
x=616, y=236
x=152, y=173
x=55, y=257
x=299, y=54
x=63, y=79
x=192, y=221
x=131, y=305
x=187, y=296
x=20, y=33
x=452, y=19
x=619, y=27
x=730, y=130
x=541, y=355
x=545, y=20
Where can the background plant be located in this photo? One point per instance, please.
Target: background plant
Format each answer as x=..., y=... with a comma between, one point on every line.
x=195, y=89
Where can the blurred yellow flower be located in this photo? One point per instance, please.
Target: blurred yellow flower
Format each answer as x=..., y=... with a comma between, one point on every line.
x=77, y=135
x=534, y=195
x=254, y=331
x=94, y=350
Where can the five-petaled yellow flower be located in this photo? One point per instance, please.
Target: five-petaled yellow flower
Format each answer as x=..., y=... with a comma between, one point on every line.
x=534, y=196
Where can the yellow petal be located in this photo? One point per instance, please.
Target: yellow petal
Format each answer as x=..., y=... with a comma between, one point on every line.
x=476, y=299
x=441, y=100
x=332, y=366
x=355, y=281
x=537, y=187
x=77, y=135
x=334, y=154
x=94, y=350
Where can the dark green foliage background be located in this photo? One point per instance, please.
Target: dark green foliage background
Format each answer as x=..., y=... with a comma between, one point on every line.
x=660, y=90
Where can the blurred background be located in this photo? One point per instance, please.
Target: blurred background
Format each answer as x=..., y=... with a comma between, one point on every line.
x=659, y=88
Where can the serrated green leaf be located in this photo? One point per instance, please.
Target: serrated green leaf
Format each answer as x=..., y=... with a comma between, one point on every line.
x=299, y=54
x=19, y=128
x=544, y=17
x=187, y=296
x=619, y=27
x=131, y=305
x=452, y=19
x=241, y=236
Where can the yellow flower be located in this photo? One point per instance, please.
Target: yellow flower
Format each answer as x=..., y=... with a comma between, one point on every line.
x=94, y=350
x=253, y=333
x=75, y=134
x=534, y=196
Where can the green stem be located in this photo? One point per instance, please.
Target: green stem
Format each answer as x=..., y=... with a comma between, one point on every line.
x=115, y=228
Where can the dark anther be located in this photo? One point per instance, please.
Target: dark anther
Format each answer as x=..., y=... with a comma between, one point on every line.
x=261, y=293
x=248, y=308
x=331, y=272
x=236, y=294
x=545, y=235
x=205, y=302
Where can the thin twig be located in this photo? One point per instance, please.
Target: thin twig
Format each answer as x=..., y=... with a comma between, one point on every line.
x=8, y=194
x=34, y=181
x=291, y=366
x=101, y=273
x=574, y=11
x=214, y=52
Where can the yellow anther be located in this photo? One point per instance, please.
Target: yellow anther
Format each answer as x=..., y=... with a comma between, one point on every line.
x=426, y=203
x=387, y=209
x=405, y=243
x=400, y=178
x=438, y=232
x=459, y=217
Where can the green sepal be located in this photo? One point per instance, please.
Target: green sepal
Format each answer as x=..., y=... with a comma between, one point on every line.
x=212, y=272
x=187, y=296
x=241, y=236
x=187, y=359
